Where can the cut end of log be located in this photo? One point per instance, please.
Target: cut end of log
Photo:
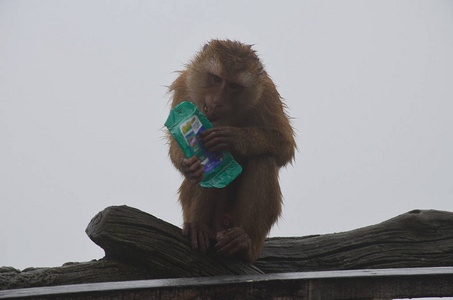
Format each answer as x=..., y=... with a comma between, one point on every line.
x=130, y=235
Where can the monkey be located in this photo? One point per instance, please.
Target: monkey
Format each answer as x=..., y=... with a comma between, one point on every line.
x=227, y=81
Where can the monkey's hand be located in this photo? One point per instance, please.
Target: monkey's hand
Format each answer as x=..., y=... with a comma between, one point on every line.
x=192, y=169
x=219, y=138
x=199, y=234
x=234, y=240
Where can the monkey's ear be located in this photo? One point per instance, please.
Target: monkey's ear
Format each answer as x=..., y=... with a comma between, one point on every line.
x=206, y=46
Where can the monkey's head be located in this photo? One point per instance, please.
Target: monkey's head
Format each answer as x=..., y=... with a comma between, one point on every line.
x=225, y=80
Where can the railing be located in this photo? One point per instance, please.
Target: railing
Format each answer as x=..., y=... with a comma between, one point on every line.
x=348, y=284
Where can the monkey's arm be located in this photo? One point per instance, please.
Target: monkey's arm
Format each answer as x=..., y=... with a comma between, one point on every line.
x=175, y=153
x=248, y=142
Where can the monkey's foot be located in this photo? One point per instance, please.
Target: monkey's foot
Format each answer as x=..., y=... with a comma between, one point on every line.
x=233, y=241
x=199, y=234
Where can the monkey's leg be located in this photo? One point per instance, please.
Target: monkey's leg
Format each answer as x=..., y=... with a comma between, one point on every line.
x=257, y=207
x=199, y=206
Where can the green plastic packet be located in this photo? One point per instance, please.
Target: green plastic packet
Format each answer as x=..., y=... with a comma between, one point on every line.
x=185, y=123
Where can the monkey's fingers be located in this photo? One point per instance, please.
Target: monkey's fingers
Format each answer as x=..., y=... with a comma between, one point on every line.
x=199, y=235
x=194, y=238
x=216, y=132
x=190, y=164
x=196, y=176
x=233, y=241
x=203, y=242
x=217, y=145
x=192, y=169
x=217, y=139
x=240, y=246
x=234, y=246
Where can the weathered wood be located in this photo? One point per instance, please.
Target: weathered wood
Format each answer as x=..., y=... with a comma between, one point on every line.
x=419, y=238
x=355, y=284
x=414, y=239
x=130, y=235
x=140, y=246
x=73, y=273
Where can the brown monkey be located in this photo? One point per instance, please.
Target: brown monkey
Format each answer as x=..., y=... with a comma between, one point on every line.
x=227, y=82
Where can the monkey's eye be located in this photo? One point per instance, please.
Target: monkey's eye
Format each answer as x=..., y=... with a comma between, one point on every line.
x=215, y=79
x=235, y=86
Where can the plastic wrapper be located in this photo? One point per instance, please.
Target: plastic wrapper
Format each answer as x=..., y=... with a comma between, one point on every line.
x=185, y=123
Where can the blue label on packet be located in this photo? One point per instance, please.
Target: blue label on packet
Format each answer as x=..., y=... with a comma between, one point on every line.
x=191, y=130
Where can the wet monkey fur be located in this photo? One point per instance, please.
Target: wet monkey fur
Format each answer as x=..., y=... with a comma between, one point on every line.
x=227, y=82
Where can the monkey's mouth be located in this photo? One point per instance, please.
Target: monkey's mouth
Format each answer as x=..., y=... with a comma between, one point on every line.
x=210, y=113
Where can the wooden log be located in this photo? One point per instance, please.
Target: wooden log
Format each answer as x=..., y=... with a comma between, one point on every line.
x=414, y=239
x=140, y=246
x=130, y=235
x=419, y=238
x=73, y=273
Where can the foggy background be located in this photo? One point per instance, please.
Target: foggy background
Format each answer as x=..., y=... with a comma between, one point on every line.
x=369, y=85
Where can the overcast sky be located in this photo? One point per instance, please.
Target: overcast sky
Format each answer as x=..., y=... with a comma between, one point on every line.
x=369, y=85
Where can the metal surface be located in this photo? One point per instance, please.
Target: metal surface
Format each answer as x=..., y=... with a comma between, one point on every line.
x=223, y=280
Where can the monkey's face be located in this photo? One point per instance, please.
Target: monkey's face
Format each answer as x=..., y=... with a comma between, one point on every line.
x=225, y=82
x=222, y=97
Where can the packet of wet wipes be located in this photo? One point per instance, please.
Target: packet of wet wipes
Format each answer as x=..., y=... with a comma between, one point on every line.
x=185, y=123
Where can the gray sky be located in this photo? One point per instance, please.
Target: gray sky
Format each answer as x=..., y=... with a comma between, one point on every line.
x=83, y=101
